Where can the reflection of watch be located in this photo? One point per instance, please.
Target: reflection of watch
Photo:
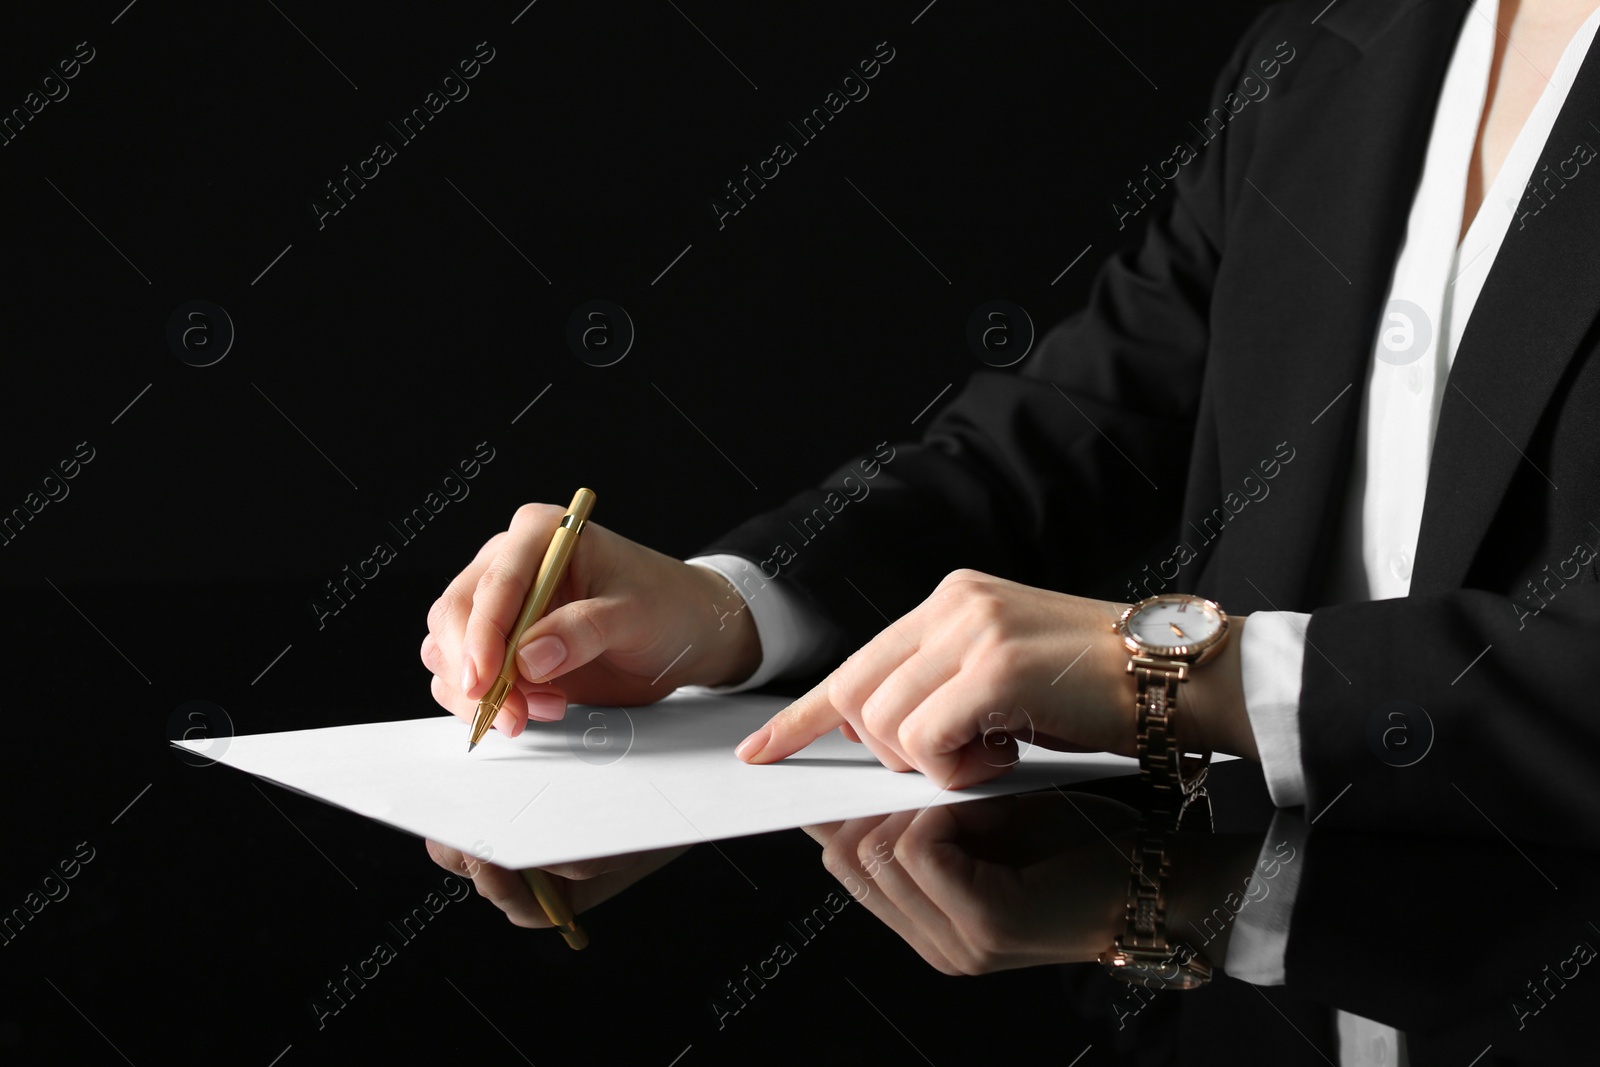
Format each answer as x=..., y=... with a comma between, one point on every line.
x=1168, y=636
x=1143, y=954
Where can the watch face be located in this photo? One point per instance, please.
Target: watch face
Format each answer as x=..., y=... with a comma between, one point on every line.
x=1175, y=624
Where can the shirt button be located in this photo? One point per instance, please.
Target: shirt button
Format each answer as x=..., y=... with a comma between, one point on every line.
x=1400, y=565
x=1413, y=380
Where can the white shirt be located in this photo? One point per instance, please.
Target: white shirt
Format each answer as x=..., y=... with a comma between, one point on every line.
x=1435, y=285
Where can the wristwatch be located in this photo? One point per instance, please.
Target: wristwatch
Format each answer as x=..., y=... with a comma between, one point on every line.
x=1167, y=637
x=1144, y=954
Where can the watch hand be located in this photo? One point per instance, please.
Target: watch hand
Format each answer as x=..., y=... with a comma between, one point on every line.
x=1177, y=631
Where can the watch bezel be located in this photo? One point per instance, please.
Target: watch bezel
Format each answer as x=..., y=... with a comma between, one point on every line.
x=1193, y=654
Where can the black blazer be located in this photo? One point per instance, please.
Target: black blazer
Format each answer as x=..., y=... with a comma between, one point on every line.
x=1236, y=334
x=1398, y=930
x=1438, y=938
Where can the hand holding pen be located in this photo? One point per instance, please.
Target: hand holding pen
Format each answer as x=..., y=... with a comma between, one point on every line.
x=557, y=608
x=625, y=627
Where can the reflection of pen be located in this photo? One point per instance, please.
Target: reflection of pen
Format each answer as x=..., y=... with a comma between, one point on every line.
x=556, y=908
x=551, y=571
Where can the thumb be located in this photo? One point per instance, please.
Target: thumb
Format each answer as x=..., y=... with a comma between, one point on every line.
x=567, y=638
x=793, y=728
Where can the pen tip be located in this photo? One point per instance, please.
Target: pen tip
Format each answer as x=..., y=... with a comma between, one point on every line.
x=471, y=745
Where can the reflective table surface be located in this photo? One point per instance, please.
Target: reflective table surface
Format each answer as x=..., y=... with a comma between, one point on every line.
x=162, y=912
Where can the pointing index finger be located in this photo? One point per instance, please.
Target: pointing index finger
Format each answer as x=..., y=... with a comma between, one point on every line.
x=793, y=728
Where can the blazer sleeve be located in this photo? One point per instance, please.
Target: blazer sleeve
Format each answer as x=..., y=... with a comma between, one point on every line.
x=1023, y=474
x=1496, y=713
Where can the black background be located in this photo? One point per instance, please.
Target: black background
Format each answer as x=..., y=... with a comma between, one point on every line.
x=376, y=353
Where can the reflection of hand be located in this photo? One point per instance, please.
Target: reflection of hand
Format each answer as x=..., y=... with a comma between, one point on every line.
x=988, y=885
x=950, y=687
x=586, y=884
x=626, y=626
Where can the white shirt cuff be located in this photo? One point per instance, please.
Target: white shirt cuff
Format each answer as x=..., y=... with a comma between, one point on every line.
x=793, y=634
x=1272, y=650
x=1260, y=943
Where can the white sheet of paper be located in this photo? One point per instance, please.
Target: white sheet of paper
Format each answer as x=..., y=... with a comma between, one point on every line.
x=605, y=781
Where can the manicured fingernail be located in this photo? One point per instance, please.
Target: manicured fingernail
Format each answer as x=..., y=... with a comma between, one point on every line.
x=546, y=707
x=753, y=744
x=541, y=656
x=469, y=677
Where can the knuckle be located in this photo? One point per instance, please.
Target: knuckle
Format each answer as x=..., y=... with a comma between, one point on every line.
x=959, y=576
x=916, y=743
x=437, y=612
x=876, y=716
x=449, y=612
x=871, y=849
x=589, y=622
x=846, y=690
x=534, y=514
x=985, y=608
x=496, y=580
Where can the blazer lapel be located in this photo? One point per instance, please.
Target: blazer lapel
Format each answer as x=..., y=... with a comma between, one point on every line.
x=1321, y=211
x=1539, y=300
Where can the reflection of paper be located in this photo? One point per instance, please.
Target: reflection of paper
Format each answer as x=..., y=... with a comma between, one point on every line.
x=607, y=780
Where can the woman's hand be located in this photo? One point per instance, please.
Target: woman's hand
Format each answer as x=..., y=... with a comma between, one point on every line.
x=987, y=885
x=627, y=625
x=950, y=688
x=586, y=884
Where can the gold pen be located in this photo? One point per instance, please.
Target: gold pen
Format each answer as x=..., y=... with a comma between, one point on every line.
x=551, y=571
